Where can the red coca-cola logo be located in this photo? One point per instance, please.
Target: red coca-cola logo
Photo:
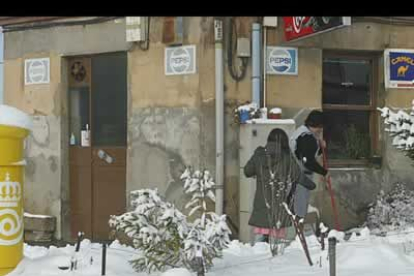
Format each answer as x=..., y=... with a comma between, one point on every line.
x=298, y=22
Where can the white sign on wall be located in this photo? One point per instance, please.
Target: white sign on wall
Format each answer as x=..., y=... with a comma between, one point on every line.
x=282, y=60
x=180, y=60
x=36, y=71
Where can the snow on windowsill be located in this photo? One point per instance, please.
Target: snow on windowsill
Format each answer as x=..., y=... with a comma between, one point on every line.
x=271, y=121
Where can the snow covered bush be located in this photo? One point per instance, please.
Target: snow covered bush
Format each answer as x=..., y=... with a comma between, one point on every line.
x=163, y=234
x=400, y=125
x=209, y=234
x=156, y=228
x=392, y=211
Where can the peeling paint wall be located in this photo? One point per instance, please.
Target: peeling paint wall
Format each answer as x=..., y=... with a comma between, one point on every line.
x=171, y=119
x=46, y=183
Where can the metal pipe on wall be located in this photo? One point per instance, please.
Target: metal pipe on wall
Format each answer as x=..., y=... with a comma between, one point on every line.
x=264, y=64
x=256, y=57
x=219, y=85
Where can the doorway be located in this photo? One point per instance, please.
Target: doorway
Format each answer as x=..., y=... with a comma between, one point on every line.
x=98, y=139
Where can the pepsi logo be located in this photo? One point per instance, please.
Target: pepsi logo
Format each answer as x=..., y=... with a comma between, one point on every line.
x=180, y=60
x=280, y=60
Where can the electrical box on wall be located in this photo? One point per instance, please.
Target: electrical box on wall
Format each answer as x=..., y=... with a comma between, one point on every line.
x=270, y=21
x=243, y=47
x=136, y=28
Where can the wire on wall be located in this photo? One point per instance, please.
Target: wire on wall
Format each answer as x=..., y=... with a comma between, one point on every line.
x=144, y=45
x=231, y=49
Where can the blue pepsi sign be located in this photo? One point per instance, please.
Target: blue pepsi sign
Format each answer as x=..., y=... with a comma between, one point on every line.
x=282, y=61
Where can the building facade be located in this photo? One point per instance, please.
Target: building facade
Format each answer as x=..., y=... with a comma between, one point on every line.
x=147, y=125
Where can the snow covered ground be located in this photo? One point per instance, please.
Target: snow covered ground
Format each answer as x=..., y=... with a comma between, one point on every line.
x=361, y=255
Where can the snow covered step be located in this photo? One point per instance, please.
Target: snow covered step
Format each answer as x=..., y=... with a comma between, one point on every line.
x=39, y=228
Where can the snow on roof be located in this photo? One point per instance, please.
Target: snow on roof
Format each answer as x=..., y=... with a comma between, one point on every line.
x=11, y=116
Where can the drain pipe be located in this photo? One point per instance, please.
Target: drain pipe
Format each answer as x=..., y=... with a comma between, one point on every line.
x=264, y=64
x=219, y=64
x=256, y=77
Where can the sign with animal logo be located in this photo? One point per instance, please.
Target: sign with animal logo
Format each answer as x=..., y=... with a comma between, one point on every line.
x=180, y=60
x=399, y=68
x=282, y=61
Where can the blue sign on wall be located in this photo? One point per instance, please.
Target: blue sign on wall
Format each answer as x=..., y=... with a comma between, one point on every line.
x=282, y=60
x=399, y=68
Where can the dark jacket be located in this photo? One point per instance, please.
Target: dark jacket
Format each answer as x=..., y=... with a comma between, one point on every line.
x=258, y=166
x=307, y=147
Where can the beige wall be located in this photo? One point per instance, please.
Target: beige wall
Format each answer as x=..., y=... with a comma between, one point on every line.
x=171, y=119
x=43, y=147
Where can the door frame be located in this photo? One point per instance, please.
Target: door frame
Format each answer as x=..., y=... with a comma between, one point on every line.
x=65, y=202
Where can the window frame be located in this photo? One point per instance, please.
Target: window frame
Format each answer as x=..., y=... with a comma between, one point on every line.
x=373, y=58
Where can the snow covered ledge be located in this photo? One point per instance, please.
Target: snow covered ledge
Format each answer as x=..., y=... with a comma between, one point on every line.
x=39, y=228
x=271, y=121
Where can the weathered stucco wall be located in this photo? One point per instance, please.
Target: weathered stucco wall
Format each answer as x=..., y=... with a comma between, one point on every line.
x=171, y=119
x=46, y=183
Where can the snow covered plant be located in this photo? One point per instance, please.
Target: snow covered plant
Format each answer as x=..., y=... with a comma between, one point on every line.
x=392, y=211
x=400, y=125
x=156, y=227
x=209, y=233
x=163, y=234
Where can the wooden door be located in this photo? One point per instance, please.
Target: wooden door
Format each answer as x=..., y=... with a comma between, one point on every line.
x=98, y=171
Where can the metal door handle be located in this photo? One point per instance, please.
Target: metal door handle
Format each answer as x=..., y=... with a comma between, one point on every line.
x=105, y=156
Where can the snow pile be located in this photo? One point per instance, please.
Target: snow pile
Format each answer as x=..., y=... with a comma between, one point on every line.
x=246, y=112
x=362, y=255
x=10, y=116
x=392, y=211
x=248, y=107
x=177, y=272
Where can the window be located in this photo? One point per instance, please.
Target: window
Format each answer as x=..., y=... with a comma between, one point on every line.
x=349, y=105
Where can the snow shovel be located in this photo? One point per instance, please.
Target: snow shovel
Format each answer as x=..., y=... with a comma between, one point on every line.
x=328, y=181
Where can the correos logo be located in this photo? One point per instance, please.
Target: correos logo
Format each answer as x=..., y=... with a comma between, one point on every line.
x=180, y=60
x=280, y=60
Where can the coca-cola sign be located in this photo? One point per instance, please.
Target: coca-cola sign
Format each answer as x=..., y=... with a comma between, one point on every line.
x=304, y=26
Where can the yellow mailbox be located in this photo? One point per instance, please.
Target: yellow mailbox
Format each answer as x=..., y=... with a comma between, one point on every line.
x=15, y=126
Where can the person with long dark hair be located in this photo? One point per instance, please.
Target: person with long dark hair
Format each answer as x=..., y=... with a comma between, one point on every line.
x=276, y=173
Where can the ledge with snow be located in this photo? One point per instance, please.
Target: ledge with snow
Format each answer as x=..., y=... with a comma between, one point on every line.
x=271, y=121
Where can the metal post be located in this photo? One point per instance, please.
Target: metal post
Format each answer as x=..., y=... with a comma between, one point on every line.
x=332, y=256
x=200, y=266
x=219, y=81
x=256, y=61
x=103, y=259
